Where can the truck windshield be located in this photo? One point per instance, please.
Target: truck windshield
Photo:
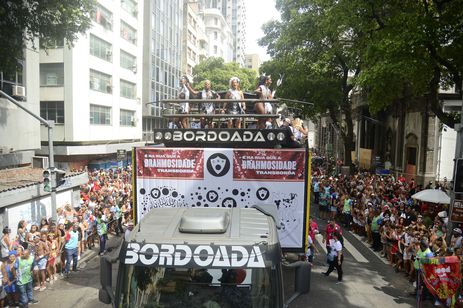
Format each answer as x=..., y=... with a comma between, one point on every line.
x=141, y=286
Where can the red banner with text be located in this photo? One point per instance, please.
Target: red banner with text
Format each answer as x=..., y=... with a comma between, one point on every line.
x=273, y=165
x=442, y=276
x=170, y=163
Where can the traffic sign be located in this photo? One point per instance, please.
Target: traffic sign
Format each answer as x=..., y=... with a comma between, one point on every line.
x=456, y=211
x=121, y=155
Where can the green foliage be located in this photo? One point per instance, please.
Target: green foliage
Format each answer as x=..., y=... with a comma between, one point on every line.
x=219, y=73
x=413, y=49
x=315, y=46
x=23, y=22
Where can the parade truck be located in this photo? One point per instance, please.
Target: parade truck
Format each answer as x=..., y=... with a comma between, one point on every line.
x=216, y=210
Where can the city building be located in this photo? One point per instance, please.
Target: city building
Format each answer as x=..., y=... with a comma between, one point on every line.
x=219, y=35
x=194, y=39
x=406, y=139
x=162, y=60
x=253, y=61
x=234, y=13
x=93, y=90
x=19, y=131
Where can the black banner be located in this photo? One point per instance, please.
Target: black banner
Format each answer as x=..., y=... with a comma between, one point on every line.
x=230, y=138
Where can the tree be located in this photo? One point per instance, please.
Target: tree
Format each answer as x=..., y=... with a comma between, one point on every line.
x=219, y=73
x=412, y=49
x=316, y=45
x=22, y=22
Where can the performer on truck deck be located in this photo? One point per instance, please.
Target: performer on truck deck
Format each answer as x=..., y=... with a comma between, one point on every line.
x=264, y=92
x=186, y=92
x=208, y=107
x=234, y=107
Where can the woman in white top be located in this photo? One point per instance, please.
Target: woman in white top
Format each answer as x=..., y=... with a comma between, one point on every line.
x=6, y=243
x=264, y=92
x=207, y=107
x=234, y=107
x=335, y=256
x=299, y=131
x=186, y=92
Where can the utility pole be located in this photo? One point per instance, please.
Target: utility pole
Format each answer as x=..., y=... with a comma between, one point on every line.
x=51, y=160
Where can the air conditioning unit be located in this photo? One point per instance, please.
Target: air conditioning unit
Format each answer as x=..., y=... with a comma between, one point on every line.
x=109, y=53
x=40, y=162
x=134, y=68
x=19, y=91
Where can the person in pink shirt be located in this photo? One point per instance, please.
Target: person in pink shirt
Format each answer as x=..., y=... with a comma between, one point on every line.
x=331, y=227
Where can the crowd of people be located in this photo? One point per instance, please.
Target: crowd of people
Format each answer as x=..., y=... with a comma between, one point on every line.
x=44, y=251
x=380, y=209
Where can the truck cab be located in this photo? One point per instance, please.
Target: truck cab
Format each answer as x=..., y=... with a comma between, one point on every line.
x=195, y=257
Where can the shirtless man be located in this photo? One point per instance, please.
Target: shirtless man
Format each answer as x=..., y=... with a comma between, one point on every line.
x=41, y=250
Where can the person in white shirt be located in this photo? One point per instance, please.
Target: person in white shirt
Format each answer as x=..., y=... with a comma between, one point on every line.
x=185, y=92
x=264, y=92
x=335, y=256
x=128, y=231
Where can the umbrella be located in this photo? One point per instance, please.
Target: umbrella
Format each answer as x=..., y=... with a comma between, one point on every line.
x=432, y=196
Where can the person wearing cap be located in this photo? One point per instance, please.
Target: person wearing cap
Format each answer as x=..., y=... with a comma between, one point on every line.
x=456, y=239
x=129, y=229
x=5, y=243
x=9, y=281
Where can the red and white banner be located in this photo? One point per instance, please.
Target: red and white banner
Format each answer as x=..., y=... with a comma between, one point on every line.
x=442, y=277
x=215, y=177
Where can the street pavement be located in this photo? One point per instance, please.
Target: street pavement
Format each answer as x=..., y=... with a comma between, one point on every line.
x=368, y=282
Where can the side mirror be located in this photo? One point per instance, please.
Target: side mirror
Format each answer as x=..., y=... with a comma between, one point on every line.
x=302, y=274
x=105, y=294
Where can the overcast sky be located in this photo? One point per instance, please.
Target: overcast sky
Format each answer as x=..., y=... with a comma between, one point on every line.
x=258, y=12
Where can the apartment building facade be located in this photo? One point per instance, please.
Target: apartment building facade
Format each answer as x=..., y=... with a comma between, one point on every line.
x=162, y=60
x=19, y=131
x=93, y=90
x=194, y=38
x=234, y=12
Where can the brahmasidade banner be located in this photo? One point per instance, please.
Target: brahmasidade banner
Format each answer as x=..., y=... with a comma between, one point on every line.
x=215, y=177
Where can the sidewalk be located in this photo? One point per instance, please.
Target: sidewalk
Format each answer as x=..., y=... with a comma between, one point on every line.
x=85, y=258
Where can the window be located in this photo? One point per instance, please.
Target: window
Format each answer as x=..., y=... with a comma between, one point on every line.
x=100, y=48
x=103, y=17
x=216, y=35
x=130, y=7
x=100, y=115
x=215, y=49
x=48, y=43
x=100, y=82
x=127, y=89
x=128, y=33
x=216, y=21
x=51, y=74
x=128, y=61
x=52, y=111
x=127, y=118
